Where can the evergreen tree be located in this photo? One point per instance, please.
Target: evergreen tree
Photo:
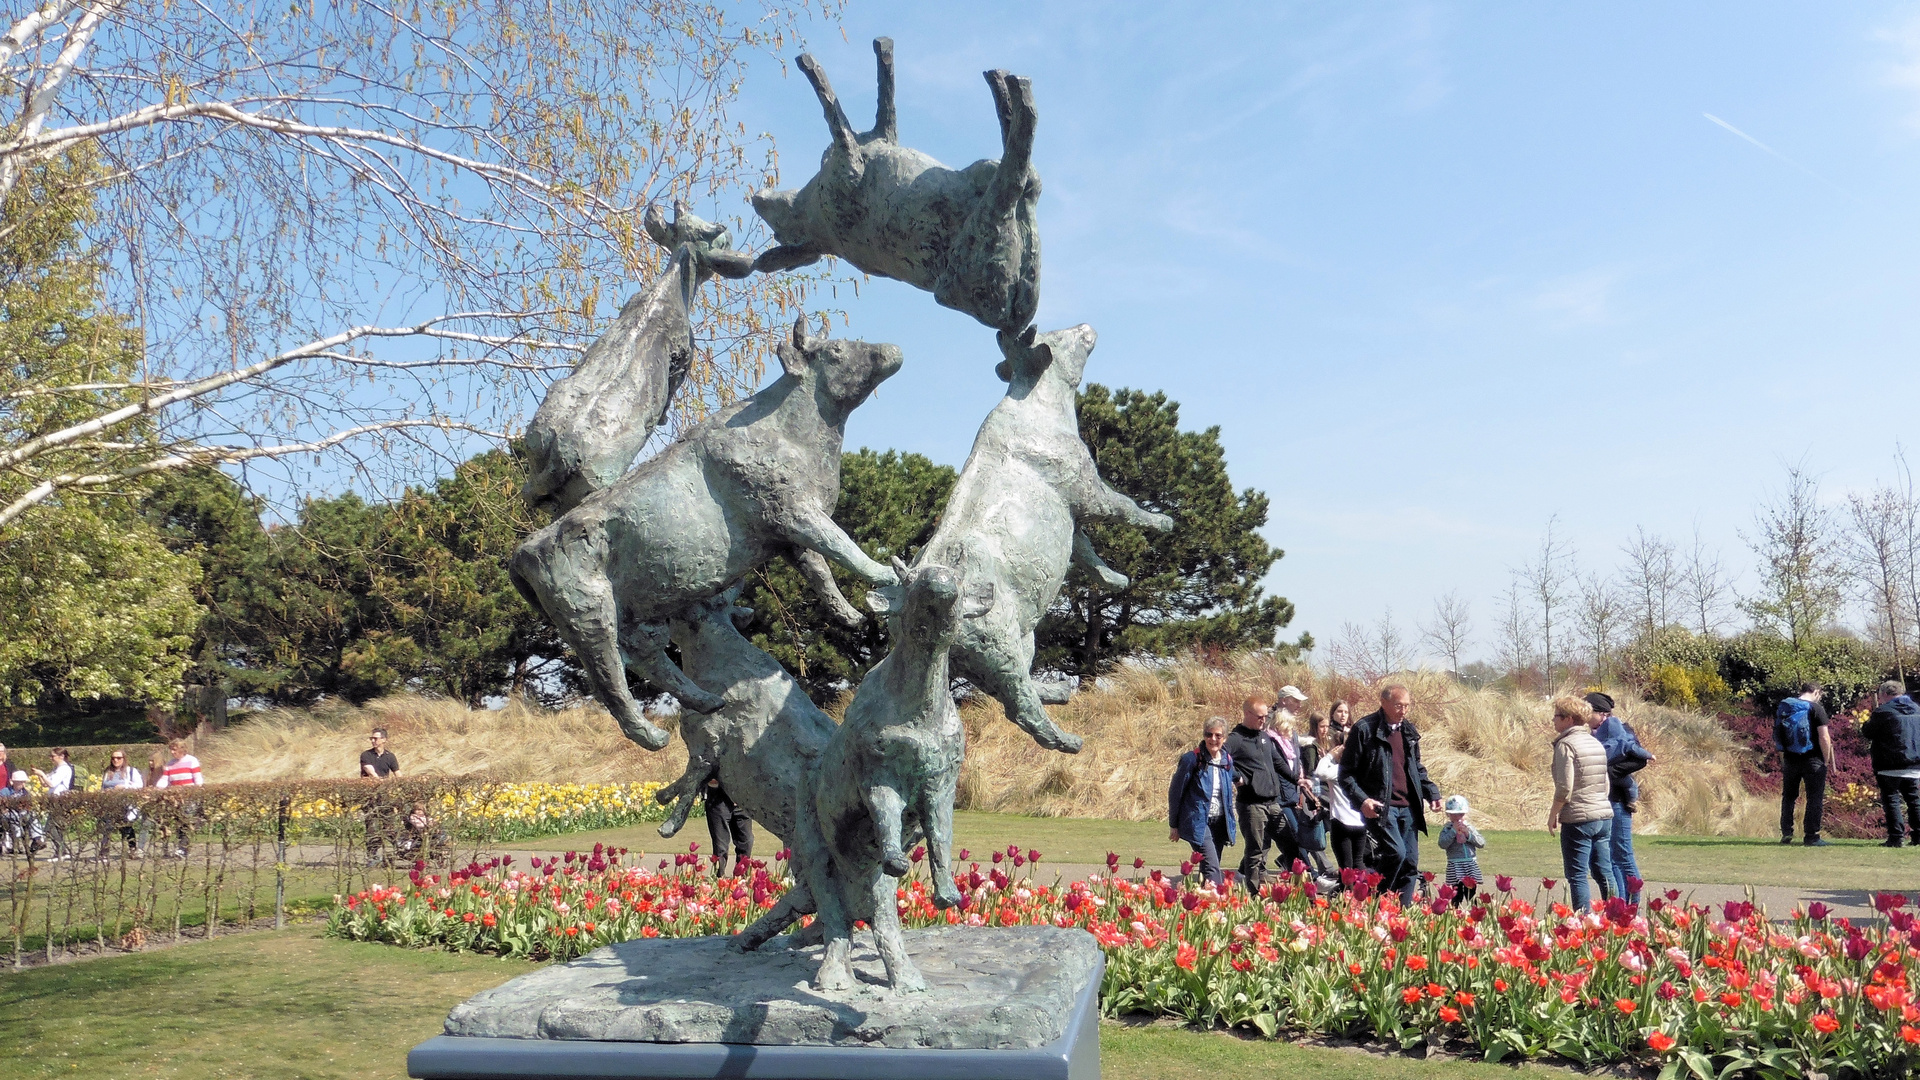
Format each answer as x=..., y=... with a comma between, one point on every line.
x=890, y=504
x=1195, y=587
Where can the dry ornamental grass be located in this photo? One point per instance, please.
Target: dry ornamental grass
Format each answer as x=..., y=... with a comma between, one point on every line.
x=1494, y=746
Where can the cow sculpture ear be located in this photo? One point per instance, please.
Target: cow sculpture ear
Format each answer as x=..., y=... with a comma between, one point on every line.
x=884, y=601
x=793, y=353
x=977, y=601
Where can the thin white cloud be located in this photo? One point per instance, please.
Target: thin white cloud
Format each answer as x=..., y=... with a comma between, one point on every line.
x=1580, y=300
x=1903, y=72
x=1778, y=154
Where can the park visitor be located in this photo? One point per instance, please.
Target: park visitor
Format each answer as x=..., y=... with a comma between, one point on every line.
x=1313, y=794
x=59, y=781
x=1463, y=844
x=1286, y=838
x=7, y=767
x=727, y=825
x=1256, y=781
x=1625, y=756
x=1893, y=742
x=1346, y=829
x=376, y=761
x=1286, y=705
x=1340, y=720
x=1381, y=769
x=181, y=770
x=1800, y=733
x=1312, y=743
x=1200, y=806
x=1581, y=813
x=121, y=776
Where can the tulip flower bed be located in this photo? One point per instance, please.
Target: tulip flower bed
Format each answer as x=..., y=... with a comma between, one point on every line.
x=1695, y=991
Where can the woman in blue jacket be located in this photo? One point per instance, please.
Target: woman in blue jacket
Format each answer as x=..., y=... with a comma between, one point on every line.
x=1200, y=800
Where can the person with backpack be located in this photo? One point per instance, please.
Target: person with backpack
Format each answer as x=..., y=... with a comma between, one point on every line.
x=1806, y=755
x=1200, y=806
x=1893, y=741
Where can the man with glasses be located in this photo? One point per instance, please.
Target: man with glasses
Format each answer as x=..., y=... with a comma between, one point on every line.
x=378, y=763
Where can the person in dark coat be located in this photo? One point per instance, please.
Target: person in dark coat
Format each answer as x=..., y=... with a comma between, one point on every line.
x=1893, y=741
x=1381, y=772
x=1625, y=756
x=1200, y=806
x=1256, y=781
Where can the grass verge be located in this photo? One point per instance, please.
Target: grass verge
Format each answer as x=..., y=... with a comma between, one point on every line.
x=293, y=1004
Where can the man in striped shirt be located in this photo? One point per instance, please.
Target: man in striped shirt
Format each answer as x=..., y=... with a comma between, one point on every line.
x=182, y=770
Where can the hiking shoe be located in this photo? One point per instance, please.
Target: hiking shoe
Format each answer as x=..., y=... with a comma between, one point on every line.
x=1819, y=841
x=1895, y=842
x=1786, y=839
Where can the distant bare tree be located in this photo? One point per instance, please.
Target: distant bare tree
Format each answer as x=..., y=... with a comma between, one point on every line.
x=1450, y=629
x=1652, y=579
x=1601, y=614
x=1370, y=653
x=1516, y=630
x=1873, y=551
x=1801, y=578
x=1703, y=584
x=1545, y=578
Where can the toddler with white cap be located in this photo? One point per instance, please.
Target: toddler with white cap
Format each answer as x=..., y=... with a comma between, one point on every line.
x=1462, y=843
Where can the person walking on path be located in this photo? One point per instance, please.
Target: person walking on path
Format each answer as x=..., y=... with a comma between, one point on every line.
x=121, y=776
x=1893, y=742
x=181, y=770
x=1256, y=782
x=1314, y=748
x=59, y=781
x=1800, y=733
x=1339, y=721
x=378, y=763
x=1200, y=806
x=1381, y=770
x=1463, y=844
x=1625, y=756
x=1280, y=730
x=728, y=826
x=1581, y=813
x=1346, y=829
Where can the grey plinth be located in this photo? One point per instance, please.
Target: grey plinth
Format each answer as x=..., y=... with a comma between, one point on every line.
x=1017, y=1003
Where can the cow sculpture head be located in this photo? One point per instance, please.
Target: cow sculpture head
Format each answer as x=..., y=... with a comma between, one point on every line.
x=841, y=372
x=928, y=604
x=1058, y=354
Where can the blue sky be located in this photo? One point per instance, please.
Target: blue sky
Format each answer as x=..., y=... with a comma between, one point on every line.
x=1437, y=271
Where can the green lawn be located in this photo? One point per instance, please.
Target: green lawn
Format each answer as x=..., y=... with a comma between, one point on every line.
x=1708, y=860
x=295, y=1004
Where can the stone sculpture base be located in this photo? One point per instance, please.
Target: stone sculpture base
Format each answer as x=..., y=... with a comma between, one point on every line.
x=1019, y=1003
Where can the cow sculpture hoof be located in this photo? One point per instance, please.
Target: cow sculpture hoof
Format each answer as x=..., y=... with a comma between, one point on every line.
x=896, y=865
x=647, y=735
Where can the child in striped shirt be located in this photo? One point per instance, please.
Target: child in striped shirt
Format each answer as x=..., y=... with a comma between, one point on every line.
x=1462, y=843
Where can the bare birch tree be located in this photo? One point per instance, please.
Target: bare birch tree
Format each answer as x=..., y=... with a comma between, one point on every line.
x=1601, y=615
x=368, y=229
x=1703, y=584
x=1517, y=630
x=1652, y=580
x=1873, y=551
x=1450, y=628
x=1801, y=577
x=1546, y=577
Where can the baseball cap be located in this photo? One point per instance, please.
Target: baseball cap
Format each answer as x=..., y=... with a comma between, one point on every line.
x=1457, y=804
x=1292, y=691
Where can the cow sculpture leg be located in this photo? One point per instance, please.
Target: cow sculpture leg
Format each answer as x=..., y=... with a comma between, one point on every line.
x=901, y=971
x=643, y=648
x=1004, y=673
x=887, y=808
x=937, y=812
x=583, y=611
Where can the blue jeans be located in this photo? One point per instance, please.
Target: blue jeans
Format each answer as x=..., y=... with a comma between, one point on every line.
x=1581, y=845
x=1624, y=864
x=1214, y=842
x=1398, y=845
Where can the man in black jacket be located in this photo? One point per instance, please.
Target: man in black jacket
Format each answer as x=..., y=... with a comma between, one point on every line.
x=1256, y=787
x=1893, y=740
x=1381, y=772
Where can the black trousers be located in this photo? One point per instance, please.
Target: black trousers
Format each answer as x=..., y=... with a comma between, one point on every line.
x=1259, y=821
x=1349, y=845
x=728, y=825
x=1796, y=769
x=1895, y=790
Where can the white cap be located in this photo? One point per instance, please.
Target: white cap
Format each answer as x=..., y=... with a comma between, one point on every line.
x=1457, y=804
x=19, y=777
x=1292, y=691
